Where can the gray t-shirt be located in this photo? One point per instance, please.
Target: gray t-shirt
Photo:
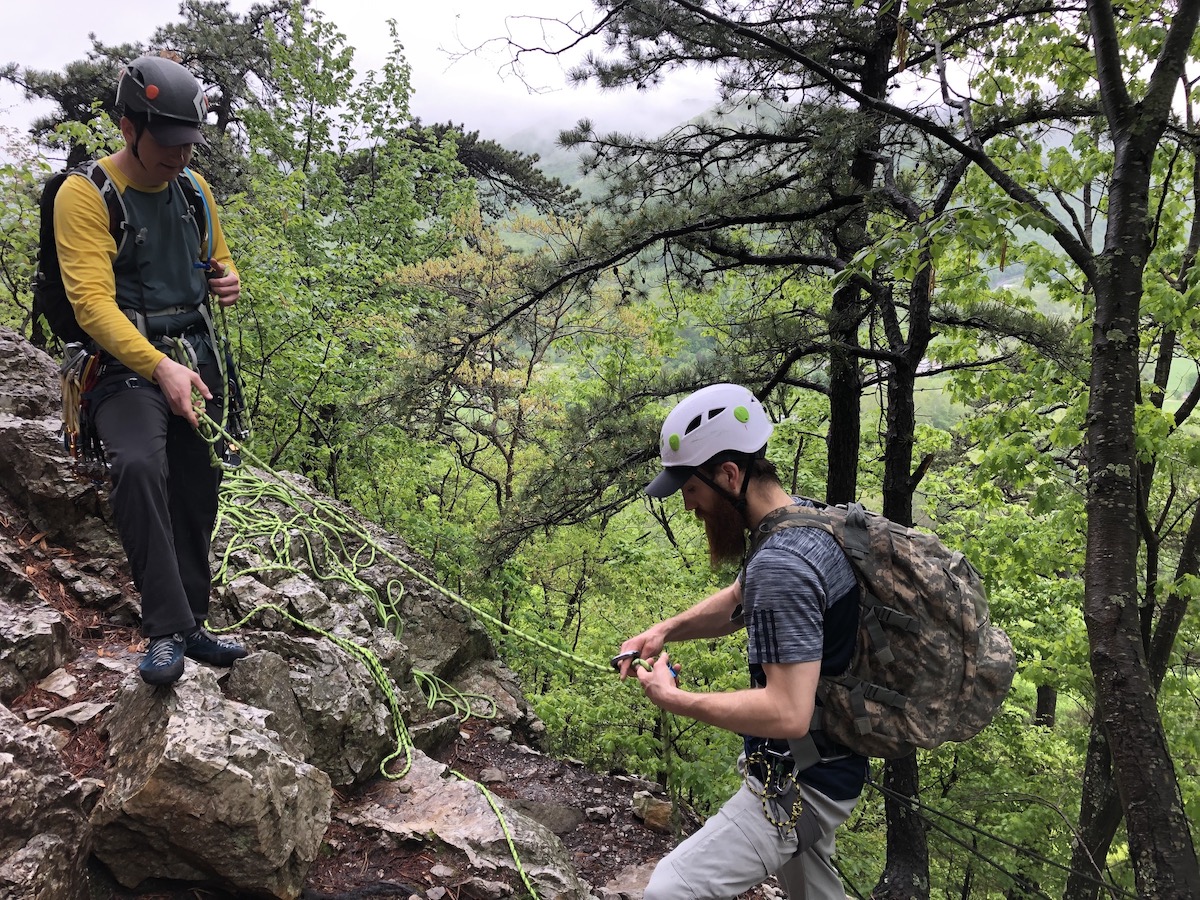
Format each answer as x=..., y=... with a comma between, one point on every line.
x=800, y=604
x=788, y=586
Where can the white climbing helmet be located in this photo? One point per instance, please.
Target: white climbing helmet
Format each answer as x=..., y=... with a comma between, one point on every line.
x=721, y=418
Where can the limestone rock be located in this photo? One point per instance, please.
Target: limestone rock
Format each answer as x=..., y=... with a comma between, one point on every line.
x=629, y=884
x=201, y=790
x=233, y=789
x=45, y=838
x=33, y=637
x=263, y=680
x=435, y=807
x=348, y=724
x=32, y=450
x=492, y=679
x=654, y=812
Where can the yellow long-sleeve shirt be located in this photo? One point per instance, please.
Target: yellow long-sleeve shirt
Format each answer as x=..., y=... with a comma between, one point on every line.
x=86, y=254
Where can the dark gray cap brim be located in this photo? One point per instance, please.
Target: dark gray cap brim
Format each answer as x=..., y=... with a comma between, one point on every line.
x=669, y=481
x=171, y=134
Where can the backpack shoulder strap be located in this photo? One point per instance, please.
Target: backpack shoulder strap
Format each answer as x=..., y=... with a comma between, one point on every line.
x=97, y=176
x=789, y=517
x=201, y=214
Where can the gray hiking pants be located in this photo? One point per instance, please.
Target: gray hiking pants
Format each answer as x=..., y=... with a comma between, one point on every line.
x=164, y=499
x=739, y=848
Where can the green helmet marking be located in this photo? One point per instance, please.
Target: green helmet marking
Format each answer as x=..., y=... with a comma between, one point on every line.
x=673, y=440
x=741, y=414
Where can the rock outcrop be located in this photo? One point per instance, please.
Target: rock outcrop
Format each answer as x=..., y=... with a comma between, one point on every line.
x=202, y=790
x=227, y=779
x=45, y=837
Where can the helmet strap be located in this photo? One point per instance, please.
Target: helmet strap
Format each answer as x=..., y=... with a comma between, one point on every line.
x=738, y=500
x=139, y=128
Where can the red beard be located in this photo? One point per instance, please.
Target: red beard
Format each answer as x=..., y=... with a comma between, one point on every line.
x=726, y=533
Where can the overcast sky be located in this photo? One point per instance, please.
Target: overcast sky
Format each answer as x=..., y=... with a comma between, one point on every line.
x=478, y=91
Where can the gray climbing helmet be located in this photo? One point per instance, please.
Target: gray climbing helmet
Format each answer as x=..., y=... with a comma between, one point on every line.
x=168, y=95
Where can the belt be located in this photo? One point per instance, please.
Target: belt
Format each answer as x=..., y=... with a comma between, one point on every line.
x=171, y=333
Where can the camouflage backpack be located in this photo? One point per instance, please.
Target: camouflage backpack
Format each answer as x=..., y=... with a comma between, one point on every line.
x=927, y=665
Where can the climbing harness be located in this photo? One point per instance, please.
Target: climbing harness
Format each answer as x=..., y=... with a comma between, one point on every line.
x=779, y=794
x=83, y=364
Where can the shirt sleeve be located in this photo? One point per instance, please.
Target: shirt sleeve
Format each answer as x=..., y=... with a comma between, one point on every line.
x=785, y=603
x=86, y=251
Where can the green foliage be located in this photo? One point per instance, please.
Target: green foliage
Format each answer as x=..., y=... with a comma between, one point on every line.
x=337, y=201
x=491, y=387
x=22, y=174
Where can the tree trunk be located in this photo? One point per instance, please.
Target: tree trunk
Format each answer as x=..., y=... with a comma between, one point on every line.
x=906, y=875
x=1160, y=842
x=1047, y=704
x=845, y=399
x=846, y=315
x=1100, y=805
x=1099, y=817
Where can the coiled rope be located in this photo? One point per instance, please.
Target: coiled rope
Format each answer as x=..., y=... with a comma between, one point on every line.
x=336, y=526
x=271, y=537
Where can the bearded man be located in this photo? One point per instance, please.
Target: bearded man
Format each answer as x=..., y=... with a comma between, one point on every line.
x=798, y=599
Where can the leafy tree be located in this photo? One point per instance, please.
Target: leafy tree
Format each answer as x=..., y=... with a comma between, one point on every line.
x=507, y=178
x=713, y=208
x=20, y=178
x=84, y=87
x=317, y=238
x=231, y=53
x=226, y=50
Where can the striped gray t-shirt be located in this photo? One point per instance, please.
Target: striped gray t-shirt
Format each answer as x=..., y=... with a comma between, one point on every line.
x=796, y=587
x=790, y=582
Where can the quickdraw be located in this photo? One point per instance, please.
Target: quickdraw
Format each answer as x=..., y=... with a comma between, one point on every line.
x=77, y=376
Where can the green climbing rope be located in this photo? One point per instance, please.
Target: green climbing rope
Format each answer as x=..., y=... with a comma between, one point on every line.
x=512, y=847
x=336, y=526
x=279, y=539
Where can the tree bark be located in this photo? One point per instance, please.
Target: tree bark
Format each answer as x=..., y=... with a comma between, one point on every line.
x=1099, y=817
x=1047, y=704
x=1160, y=841
x=845, y=399
x=1100, y=804
x=906, y=875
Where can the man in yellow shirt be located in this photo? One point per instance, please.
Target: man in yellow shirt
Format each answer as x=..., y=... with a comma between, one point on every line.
x=143, y=301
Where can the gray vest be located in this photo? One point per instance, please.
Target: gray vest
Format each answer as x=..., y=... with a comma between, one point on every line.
x=156, y=269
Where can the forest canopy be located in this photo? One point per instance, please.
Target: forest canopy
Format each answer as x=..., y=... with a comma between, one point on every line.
x=951, y=247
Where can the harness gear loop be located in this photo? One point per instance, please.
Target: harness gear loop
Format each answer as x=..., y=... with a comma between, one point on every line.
x=776, y=772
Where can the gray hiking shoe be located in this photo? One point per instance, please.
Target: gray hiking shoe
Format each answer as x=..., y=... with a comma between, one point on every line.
x=206, y=647
x=163, y=662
